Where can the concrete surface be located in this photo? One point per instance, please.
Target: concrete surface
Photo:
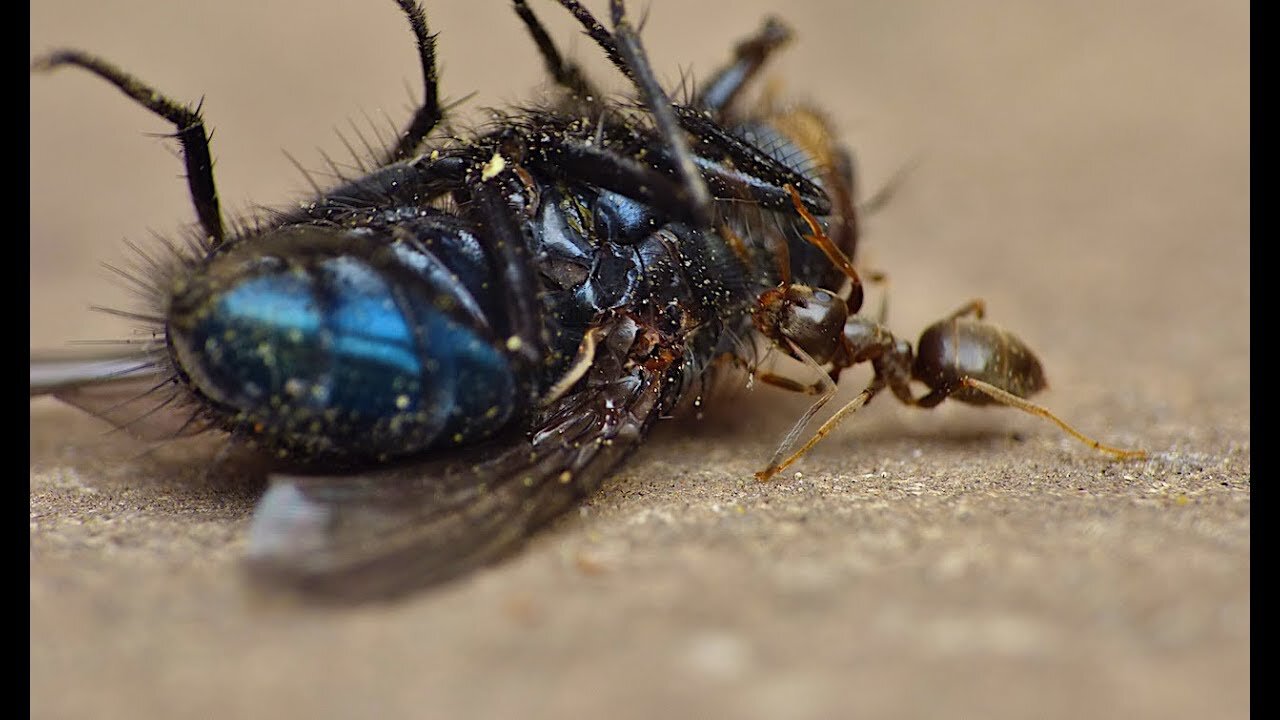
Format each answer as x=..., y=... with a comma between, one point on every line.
x=1082, y=166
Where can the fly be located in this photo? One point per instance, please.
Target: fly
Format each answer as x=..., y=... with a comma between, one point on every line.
x=451, y=350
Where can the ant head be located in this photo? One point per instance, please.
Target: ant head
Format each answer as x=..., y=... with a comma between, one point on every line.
x=812, y=319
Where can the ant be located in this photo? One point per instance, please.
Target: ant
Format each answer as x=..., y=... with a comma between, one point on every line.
x=961, y=356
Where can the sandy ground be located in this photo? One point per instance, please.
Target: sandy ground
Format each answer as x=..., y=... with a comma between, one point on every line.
x=1082, y=166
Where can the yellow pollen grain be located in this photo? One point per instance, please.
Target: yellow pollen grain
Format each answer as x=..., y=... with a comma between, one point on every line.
x=402, y=401
x=514, y=343
x=496, y=164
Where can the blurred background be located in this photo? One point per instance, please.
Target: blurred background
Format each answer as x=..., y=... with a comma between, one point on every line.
x=1084, y=167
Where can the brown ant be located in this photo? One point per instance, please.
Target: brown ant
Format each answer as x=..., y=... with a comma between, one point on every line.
x=961, y=356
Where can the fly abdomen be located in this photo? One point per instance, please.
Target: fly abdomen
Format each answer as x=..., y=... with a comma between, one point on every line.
x=346, y=343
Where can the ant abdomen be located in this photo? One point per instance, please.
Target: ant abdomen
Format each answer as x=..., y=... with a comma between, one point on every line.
x=957, y=348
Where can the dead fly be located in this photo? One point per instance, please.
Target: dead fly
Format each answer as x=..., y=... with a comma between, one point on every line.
x=470, y=337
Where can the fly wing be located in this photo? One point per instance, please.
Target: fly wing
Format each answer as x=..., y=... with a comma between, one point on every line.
x=382, y=533
x=52, y=373
x=129, y=389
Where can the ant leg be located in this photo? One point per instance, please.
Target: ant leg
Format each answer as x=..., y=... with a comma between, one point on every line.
x=825, y=386
x=864, y=397
x=1004, y=360
x=842, y=184
x=819, y=239
x=718, y=95
x=881, y=279
x=885, y=194
x=430, y=113
x=865, y=342
x=1027, y=406
x=191, y=133
x=567, y=74
x=786, y=383
x=976, y=307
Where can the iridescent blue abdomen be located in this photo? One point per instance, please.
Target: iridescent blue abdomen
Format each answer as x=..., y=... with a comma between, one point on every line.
x=353, y=343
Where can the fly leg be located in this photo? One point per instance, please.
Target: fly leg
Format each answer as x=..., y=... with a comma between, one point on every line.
x=750, y=55
x=575, y=159
x=626, y=52
x=664, y=115
x=191, y=132
x=599, y=34
x=430, y=113
x=720, y=92
x=749, y=174
x=753, y=176
x=507, y=248
x=567, y=74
